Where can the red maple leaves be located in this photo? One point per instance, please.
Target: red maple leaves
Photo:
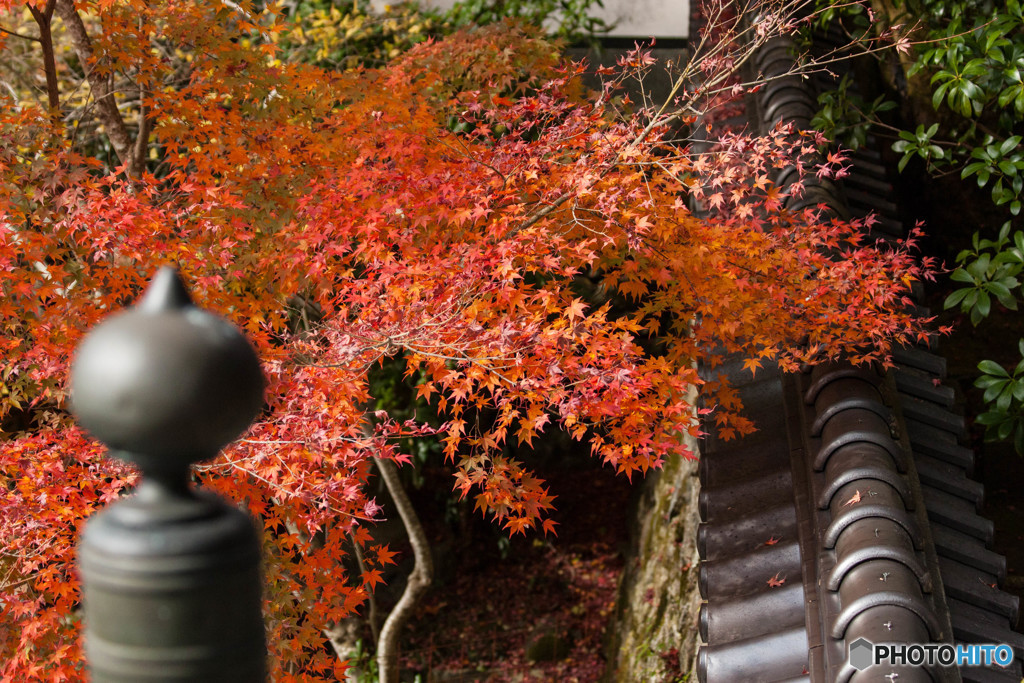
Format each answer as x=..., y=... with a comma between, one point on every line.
x=526, y=250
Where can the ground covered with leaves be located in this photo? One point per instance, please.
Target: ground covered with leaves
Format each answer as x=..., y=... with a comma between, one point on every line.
x=541, y=612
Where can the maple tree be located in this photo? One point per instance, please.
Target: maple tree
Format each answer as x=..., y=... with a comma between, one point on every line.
x=525, y=247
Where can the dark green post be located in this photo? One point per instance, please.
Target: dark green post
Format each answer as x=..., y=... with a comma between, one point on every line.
x=170, y=575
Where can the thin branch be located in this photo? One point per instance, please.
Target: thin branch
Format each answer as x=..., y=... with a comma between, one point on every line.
x=145, y=123
x=5, y=587
x=34, y=39
x=10, y=89
x=373, y=617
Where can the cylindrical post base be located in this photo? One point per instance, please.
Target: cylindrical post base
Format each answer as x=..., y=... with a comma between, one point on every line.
x=171, y=588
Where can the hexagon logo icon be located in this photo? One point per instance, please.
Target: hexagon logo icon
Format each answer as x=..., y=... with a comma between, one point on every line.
x=861, y=654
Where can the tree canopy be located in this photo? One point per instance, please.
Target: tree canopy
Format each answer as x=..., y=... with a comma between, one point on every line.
x=527, y=247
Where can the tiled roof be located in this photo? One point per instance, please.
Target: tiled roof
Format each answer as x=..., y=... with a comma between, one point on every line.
x=850, y=513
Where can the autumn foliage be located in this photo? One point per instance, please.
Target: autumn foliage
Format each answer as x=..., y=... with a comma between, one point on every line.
x=528, y=247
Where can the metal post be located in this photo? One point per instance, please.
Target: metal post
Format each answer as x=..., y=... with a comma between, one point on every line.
x=170, y=575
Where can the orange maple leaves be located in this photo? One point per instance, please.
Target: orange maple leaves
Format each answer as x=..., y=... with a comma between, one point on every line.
x=527, y=251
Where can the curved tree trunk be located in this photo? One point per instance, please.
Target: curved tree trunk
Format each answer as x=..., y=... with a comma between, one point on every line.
x=128, y=151
x=419, y=580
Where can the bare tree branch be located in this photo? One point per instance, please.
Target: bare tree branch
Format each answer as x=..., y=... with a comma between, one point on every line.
x=15, y=34
x=372, y=616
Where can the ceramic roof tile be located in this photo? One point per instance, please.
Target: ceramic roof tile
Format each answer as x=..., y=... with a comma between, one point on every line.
x=851, y=513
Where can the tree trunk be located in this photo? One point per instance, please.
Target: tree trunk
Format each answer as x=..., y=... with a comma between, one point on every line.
x=102, y=88
x=419, y=580
x=42, y=17
x=915, y=92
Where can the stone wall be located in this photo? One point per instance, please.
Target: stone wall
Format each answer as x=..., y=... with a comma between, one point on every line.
x=654, y=636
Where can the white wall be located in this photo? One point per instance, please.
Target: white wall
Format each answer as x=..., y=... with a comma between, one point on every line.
x=632, y=18
x=646, y=18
